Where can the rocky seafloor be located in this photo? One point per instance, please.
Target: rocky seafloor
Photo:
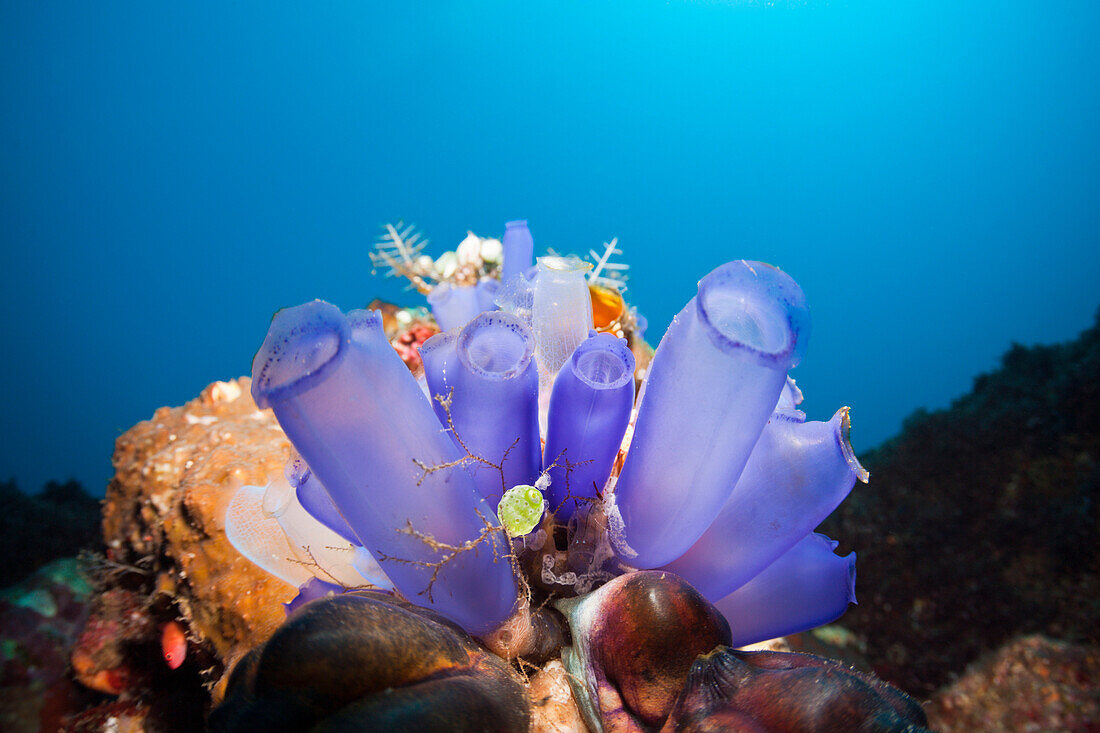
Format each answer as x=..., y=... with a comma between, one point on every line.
x=979, y=532
x=983, y=524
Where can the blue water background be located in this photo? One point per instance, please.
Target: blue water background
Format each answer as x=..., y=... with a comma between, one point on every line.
x=172, y=173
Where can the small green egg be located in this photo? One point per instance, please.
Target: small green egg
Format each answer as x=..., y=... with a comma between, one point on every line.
x=520, y=509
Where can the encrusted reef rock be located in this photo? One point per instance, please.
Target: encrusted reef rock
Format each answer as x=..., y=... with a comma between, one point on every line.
x=553, y=709
x=164, y=516
x=1030, y=684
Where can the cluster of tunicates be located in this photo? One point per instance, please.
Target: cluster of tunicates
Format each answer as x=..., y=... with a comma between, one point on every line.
x=708, y=472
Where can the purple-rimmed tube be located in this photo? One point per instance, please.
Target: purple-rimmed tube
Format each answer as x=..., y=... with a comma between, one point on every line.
x=453, y=306
x=354, y=412
x=798, y=473
x=518, y=248
x=809, y=585
x=714, y=381
x=488, y=370
x=311, y=591
x=589, y=411
x=315, y=499
x=487, y=291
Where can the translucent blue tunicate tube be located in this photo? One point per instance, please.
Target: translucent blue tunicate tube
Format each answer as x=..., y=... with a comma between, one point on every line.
x=453, y=306
x=713, y=383
x=367, y=566
x=517, y=296
x=315, y=499
x=518, y=248
x=487, y=371
x=809, y=585
x=798, y=473
x=791, y=396
x=356, y=415
x=589, y=411
x=487, y=290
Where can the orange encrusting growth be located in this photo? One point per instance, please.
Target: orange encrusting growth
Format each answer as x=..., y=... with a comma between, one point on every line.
x=608, y=306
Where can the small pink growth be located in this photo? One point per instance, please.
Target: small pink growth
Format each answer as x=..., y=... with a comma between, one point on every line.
x=173, y=644
x=408, y=344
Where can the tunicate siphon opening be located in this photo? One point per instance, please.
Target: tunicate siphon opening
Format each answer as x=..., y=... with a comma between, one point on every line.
x=745, y=319
x=302, y=345
x=496, y=346
x=755, y=307
x=564, y=264
x=453, y=306
x=600, y=367
x=603, y=363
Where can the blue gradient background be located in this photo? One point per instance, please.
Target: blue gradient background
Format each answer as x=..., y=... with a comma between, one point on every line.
x=173, y=173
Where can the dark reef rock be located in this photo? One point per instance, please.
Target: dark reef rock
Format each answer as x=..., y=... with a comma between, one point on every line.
x=59, y=521
x=983, y=522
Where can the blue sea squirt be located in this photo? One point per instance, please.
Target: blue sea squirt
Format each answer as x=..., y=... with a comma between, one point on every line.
x=356, y=415
x=664, y=524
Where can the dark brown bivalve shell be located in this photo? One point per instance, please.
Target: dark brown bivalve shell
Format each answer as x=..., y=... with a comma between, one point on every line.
x=634, y=641
x=367, y=661
x=777, y=692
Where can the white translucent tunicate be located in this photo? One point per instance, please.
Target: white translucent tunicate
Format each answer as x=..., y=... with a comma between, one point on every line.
x=561, y=317
x=259, y=537
x=328, y=555
x=516, y=295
